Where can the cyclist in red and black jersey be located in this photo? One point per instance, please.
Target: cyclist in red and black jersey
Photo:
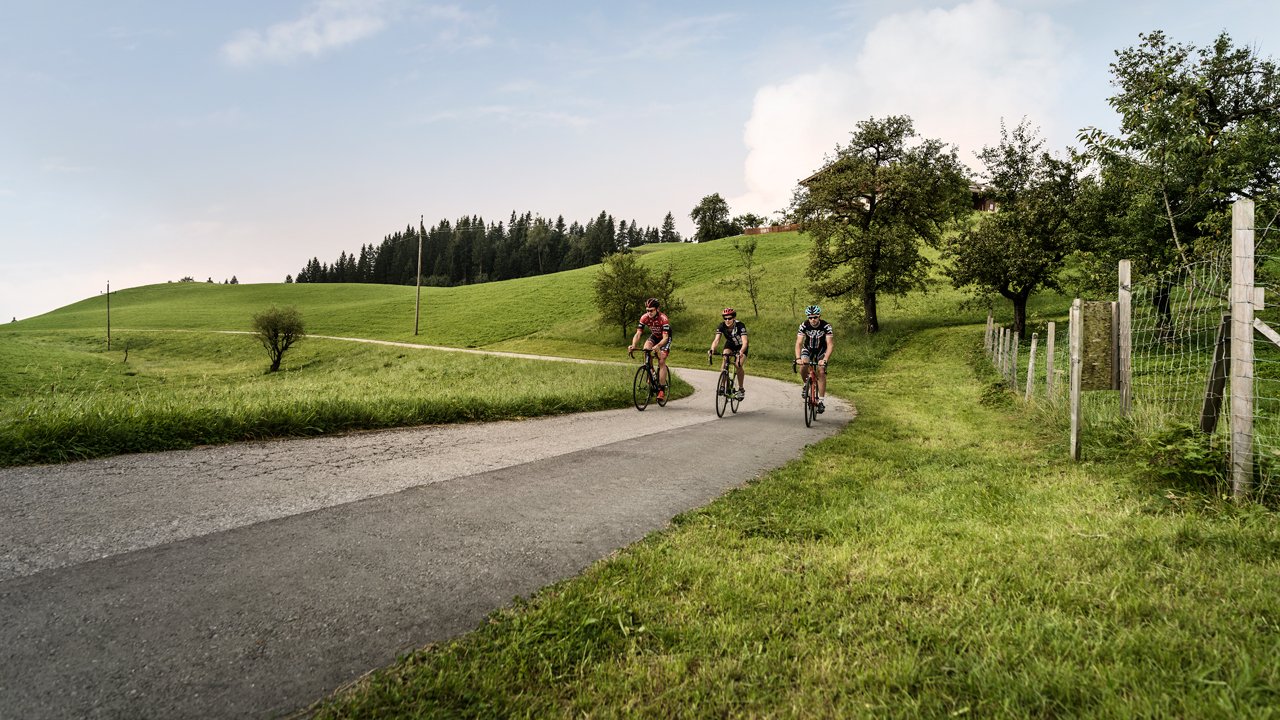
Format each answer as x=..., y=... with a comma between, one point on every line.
x=659, y=340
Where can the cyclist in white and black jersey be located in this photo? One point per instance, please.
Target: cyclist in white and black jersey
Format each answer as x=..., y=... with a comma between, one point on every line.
x=735, y=342
x=814, y=343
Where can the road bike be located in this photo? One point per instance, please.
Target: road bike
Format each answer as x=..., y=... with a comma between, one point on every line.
x=809, y=394
x=726, y=392
x=646, y=386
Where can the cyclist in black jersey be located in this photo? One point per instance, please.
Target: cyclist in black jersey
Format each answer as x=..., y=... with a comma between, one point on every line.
x=735, y=341
x=814, y=343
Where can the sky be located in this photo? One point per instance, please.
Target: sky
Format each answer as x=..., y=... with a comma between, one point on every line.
x=142, y=141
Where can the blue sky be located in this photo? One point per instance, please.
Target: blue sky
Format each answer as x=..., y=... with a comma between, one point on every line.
x=142, y=141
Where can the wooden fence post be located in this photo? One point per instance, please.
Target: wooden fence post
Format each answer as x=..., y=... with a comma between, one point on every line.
x=986, y=337
x=1242, y=215
x=1013, y=363
x=1125, y=332
x=1075, y=334
x=1051, y=331
x=1031, y=367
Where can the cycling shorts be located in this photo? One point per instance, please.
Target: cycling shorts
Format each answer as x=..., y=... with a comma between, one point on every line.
x=808, y=354
x=665, y=347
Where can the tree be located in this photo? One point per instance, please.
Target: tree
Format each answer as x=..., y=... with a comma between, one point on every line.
x=1199, y=127
x=872, y=206
x=1021, y=247
x=669, y=233
x=621, y=287
x=711, y=217
x=278, y=329
x=623, y=284
x=750, y=278
x=749, y=220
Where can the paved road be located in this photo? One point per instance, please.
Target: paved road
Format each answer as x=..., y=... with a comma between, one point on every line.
x=248, y=580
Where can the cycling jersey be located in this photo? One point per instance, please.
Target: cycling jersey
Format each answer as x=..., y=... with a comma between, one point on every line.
x=732, y=337
x=657, y=324
x=815, y=338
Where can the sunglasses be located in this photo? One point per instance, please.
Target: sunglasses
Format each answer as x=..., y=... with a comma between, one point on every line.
x=728, y=317
x=815, y=317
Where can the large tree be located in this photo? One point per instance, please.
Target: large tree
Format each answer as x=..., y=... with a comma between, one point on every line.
x=1021, y=247
x=622, y=285
x=871, y=208
x=711, y=218
x=1199, y=127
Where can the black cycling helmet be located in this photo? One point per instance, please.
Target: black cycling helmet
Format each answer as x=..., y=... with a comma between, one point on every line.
x=652, y=303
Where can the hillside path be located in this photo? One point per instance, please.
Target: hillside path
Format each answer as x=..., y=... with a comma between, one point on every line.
x=248, y=580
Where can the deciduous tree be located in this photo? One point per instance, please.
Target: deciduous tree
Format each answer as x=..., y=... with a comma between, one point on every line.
x=278, y=329
x=1020, y=247
x=871, y=208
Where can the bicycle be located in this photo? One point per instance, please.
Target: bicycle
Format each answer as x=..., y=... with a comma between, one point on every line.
x=646, y=386
x=726, y=393
x=809, y=393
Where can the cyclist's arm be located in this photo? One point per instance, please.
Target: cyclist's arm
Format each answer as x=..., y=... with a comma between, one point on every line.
x=636, y=338
x=715, y=340
x=831, y=345
x=799, y=340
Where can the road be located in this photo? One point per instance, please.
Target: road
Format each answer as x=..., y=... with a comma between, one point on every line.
x=248, y=580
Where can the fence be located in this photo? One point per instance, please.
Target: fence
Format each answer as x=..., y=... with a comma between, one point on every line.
x=1189, y=343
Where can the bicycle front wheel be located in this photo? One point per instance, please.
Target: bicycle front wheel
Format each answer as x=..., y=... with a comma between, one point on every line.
x=808, y=404
x=723, y=388
x=642, y=389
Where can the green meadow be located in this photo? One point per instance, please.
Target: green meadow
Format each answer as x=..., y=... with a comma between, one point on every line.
x=941, y=557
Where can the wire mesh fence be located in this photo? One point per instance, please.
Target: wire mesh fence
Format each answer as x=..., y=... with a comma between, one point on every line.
x=1180, y=335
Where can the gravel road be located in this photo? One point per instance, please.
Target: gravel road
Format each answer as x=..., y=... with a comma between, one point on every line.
x=248, y=580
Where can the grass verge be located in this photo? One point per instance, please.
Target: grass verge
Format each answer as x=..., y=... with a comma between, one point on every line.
x=178, y=390
x=932, y=560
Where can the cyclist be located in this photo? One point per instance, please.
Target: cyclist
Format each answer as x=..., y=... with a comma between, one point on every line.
x=659, y=340
x=814, y=343
x=735, y=342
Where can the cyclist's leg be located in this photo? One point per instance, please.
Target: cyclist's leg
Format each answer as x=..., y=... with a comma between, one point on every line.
x=662, y=353
x=649, y=347
x=742, y=372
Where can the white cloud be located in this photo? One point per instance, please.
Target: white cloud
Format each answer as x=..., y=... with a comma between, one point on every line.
x=328, y=25
x=956, y=72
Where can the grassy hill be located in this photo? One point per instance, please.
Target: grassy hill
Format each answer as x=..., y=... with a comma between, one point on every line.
x=171, y=381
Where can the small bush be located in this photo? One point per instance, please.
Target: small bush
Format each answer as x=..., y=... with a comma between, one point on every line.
x=278, y=329
x=1183, y=456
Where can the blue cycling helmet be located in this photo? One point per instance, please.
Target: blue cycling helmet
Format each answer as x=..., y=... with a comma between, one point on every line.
x=813, y=310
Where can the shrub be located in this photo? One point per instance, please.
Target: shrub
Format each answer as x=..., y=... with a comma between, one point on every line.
x=278, y=329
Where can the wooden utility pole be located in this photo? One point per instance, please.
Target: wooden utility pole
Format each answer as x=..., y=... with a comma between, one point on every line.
x=108, y=314
x=417, y=301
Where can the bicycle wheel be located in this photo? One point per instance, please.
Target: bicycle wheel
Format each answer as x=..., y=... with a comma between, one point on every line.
x=723, y=388
x=654, y=387
x=807, y=405
x=733, y=399
x=642, y=389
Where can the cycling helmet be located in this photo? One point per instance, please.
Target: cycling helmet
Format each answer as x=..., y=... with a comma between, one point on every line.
x=813, y=310
x=651, y=303
x=729, y=312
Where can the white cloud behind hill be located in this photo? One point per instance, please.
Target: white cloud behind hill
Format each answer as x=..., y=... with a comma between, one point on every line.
x=955, y=71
